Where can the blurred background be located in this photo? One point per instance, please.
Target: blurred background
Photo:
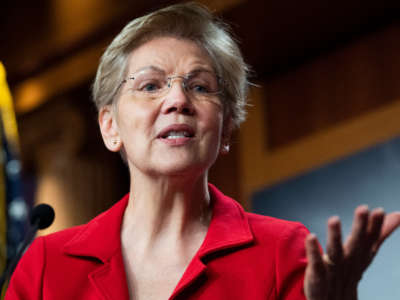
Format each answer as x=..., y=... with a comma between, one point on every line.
x=323, y=130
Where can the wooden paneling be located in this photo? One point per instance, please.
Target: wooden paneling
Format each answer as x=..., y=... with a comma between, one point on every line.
x=356, y=79
x=351, y=99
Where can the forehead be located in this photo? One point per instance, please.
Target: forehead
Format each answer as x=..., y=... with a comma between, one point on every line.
x=170, y=54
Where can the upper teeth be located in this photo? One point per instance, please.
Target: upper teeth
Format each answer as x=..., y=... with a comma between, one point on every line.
x=177, y=134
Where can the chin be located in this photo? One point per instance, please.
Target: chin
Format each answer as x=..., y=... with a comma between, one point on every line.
x=181, y=168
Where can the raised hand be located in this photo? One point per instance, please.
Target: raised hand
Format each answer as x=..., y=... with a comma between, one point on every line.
x=334, y=275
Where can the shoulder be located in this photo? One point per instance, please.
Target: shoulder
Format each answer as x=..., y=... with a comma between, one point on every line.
x=270, y=225
x=263, y=229
x=31, y=268
x=58, y=239
x=62, y=243
x=75, y=248
x=275, y=248
x=54, y=242
x=276, y=231
x=51, y=244
x=103, y=228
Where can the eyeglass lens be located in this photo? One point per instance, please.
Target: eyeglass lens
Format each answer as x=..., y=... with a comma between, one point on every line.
x=154, y=83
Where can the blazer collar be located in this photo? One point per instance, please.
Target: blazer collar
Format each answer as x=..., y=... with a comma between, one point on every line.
x=100, y=238
x=229, y=226
x=229, y=229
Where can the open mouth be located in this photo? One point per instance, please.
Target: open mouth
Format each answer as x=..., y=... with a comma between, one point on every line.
x=177, y=131
x=177, y=135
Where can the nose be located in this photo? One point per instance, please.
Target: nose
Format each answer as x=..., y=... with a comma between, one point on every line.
x=176, y=98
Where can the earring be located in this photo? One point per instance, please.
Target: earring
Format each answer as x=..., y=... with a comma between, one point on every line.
x=225, y=149
x=115, y=142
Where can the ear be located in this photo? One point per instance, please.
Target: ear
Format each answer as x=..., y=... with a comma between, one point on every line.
x=109, y=128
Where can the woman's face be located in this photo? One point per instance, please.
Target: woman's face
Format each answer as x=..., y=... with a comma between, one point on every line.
x=175, y=133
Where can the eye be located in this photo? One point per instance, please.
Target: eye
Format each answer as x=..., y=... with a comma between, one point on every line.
x=202, y=82
x=199, y=86
x=150, y=86
x=200, y=89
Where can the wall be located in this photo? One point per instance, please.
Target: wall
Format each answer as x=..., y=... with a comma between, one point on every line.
x=324, y=138
x=369, y=177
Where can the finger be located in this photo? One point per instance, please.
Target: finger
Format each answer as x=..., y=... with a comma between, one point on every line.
x=374, y=228
x=357, y=236
x=313, y=253
x=391, y=223
x=315, y=282
x=334, y=258
x=334, y=248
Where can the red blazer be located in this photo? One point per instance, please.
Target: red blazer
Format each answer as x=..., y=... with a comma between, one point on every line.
x=244, y=256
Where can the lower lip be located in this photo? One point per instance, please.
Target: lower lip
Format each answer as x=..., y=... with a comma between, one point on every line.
x=177, y=141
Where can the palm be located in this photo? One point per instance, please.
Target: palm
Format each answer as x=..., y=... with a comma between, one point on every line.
x=335, y=274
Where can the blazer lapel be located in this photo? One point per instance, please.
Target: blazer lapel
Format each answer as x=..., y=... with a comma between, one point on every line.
x=100, y=239
x=229, y=229
x=110, y=279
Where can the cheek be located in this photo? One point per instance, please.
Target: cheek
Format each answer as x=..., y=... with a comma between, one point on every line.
x=213, y=121
x=137, y=119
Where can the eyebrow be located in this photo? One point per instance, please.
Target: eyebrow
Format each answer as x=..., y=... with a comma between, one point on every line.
x=201, y=69
x=157, y=69
x=151, y=67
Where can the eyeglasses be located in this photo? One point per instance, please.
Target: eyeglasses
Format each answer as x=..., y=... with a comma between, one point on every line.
x=153, y=84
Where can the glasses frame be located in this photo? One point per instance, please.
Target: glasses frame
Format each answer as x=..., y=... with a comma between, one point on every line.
x=185, y=78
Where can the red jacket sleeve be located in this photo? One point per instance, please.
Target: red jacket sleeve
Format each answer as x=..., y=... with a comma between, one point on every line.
x=26, y=282
x=291, y=264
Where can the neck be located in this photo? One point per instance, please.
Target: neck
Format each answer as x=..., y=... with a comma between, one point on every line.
x=167, y=208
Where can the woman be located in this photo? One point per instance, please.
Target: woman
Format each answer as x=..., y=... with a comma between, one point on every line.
x=170, y=89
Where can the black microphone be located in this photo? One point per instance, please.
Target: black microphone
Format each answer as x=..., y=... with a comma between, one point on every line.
x=42, y=217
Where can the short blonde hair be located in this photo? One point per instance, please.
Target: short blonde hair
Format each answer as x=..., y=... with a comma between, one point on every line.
x=187, y=21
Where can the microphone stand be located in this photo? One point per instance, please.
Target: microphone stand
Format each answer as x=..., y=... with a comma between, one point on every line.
x=21, y=249
x=42, y=217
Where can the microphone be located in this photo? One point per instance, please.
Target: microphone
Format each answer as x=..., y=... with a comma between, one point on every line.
x=42, y=217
